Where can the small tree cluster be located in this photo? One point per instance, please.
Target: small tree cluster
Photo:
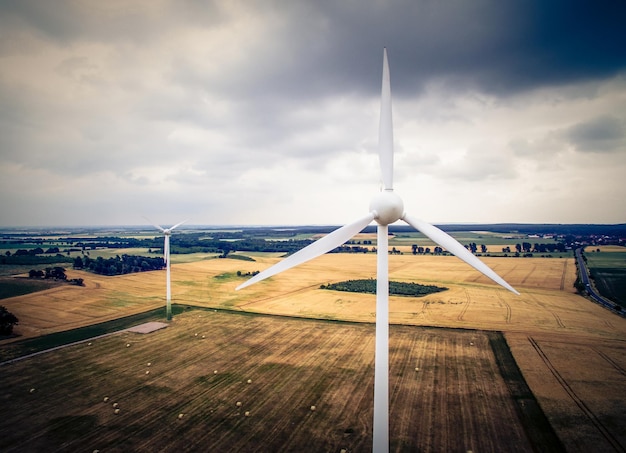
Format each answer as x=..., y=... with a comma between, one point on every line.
x=7, y=321
x=57, y=273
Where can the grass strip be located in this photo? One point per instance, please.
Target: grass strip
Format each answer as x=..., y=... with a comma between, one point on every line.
x=54, y=340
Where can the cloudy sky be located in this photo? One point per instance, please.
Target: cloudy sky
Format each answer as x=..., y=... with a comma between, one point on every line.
x=266, y=112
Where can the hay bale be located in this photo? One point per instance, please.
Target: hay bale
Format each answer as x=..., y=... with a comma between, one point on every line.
x=149, y=363
x=116, y=405
x=105, y=399
x=180, y=416
x=148, y=372
x=214, y=371
x=247, y=413
x=313, y=408
x=128, y=345
x=249, y=381
x=238, y=404
x=32, y=390
x=116, y=411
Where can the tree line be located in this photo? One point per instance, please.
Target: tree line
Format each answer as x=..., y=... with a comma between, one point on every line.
x=119, y=265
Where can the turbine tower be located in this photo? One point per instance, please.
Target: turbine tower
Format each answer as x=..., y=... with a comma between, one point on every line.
x=385, y=208
x=167, y=232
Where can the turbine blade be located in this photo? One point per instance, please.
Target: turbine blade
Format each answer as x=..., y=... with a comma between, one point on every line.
x=319, y=247
x=179, y=224
x=385, y=137
x=154, y=224
x=453, y=246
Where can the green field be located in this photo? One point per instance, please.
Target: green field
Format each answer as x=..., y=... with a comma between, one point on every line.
x=608, y=269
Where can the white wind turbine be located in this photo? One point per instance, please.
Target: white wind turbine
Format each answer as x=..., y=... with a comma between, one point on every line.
x=167, y=232
x=385, y=208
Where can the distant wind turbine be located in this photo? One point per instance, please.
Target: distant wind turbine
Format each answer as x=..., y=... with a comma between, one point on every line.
x=167, y=232
x=385, y=208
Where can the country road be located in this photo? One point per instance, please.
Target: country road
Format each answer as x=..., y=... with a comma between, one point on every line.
x=591, y=290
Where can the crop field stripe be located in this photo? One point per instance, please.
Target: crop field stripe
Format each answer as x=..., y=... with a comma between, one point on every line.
x=564, y=275
x=577, y=400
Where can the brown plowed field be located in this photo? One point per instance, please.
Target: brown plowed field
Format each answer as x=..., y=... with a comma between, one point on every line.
x=570, y=352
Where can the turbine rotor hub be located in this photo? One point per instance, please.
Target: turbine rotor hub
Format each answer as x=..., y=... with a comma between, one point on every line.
x=387, y=206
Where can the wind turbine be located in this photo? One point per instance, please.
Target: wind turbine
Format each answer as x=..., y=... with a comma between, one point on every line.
x=385, y=208
x=167, y=232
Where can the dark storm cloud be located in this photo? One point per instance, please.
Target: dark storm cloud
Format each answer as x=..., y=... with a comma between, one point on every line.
x=500, y=47
x=316, y=49
x=599, y=135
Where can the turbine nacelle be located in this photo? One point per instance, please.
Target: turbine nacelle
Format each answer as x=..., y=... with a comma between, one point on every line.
x=387, y=207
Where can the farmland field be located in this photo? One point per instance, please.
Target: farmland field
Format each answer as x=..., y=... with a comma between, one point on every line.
x=446, y=391
x=570, y=351
x=607, y=266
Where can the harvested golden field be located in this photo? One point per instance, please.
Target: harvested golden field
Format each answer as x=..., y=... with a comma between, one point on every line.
x=570, y=351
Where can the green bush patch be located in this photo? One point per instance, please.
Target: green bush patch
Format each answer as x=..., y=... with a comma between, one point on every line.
x=395, y=288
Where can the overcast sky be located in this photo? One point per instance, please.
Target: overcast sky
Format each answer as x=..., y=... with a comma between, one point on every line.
x=266, y=112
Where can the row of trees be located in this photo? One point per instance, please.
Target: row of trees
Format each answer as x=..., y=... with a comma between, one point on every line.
x=55, y=273
x=425, y=250
x=119, y=265
x=550, y=247
x=33, y=252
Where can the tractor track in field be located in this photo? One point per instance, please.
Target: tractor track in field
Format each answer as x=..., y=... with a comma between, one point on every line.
x=556, y=317
x=593, y=418
x=295, y=291
x=527, y=276
x=610, y=361
x=507, y=318
x=465, y=306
